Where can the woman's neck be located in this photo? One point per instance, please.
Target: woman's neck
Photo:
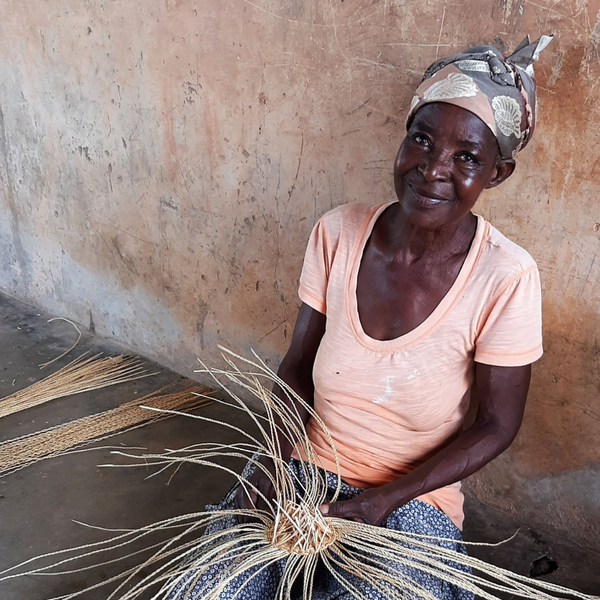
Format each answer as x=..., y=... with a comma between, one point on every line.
x=395, y=236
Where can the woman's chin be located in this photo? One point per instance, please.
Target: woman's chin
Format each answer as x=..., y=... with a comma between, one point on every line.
x=428, y=213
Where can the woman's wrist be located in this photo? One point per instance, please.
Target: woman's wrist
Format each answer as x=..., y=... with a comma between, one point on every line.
x=398, y=493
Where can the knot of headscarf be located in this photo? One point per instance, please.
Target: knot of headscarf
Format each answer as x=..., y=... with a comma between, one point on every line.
x=499, y=90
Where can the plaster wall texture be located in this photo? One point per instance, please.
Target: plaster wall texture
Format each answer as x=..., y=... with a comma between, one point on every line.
x=163, y=162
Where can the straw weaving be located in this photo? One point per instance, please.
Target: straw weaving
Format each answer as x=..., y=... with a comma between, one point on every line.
x=21, y=452
x=292, y=533
x=81, y=375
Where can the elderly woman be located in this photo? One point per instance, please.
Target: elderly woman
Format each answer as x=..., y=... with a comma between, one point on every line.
x=413, y=309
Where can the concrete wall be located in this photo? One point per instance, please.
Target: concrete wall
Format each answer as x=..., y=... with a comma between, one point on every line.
x=162, y=164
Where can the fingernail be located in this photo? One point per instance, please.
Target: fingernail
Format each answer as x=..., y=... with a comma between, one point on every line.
x=324, y=508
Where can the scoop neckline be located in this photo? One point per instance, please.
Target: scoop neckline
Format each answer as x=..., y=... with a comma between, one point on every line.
x=438, y=312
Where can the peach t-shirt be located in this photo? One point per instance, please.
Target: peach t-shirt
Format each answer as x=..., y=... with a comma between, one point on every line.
x=390, y=405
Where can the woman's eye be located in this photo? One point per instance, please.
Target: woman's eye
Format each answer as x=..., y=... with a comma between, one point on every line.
x=421, y=140
x=467, y=158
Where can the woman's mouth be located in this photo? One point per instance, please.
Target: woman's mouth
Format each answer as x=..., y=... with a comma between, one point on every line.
x=425, y=198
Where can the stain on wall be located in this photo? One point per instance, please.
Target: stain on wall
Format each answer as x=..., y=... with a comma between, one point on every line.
x=162, y=165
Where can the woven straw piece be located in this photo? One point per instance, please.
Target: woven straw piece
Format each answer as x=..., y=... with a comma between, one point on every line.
x=20, y=452
x=292, y=528
x=81, y=375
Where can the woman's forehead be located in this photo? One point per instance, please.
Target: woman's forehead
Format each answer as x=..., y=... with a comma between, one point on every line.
x=448, y=120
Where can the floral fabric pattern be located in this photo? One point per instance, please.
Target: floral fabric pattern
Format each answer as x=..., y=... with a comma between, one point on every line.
x=499, y=90
x=456, y=85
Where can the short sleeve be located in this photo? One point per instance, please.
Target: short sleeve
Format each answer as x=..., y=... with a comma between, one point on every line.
x=511, y=334
x=316, y=268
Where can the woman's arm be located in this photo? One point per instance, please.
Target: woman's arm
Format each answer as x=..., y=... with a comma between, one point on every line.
x=297, y=366
x=296, y=370
x=501, y=393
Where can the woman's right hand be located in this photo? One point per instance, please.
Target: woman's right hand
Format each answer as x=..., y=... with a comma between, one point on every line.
x=248, y=498
x=296, y=370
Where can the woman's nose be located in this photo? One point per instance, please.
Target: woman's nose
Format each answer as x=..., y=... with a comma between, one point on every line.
x=435, y=166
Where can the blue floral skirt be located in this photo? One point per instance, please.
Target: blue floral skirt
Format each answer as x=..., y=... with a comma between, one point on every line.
x=414, y=517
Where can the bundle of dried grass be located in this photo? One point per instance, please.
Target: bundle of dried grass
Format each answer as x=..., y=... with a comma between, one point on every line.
x=56, y=441
x=81, y=375
x=292, y=529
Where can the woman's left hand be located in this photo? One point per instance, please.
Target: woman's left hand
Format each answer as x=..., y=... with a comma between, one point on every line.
x=371, y=506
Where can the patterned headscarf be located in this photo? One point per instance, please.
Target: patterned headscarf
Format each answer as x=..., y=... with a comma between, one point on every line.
x=499, y=90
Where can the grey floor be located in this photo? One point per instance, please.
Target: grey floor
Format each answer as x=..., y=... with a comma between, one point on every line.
x=40, y=504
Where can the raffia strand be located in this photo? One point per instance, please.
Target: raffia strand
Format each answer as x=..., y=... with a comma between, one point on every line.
x=20, y=452
x=291, y=529
x=81, y=375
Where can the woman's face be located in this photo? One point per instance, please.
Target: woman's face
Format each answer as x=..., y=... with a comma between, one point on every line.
x=448, y=157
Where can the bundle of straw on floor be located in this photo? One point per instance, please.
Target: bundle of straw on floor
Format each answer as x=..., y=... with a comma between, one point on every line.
x=292, y=529
x=56, y=441
x=81, y=375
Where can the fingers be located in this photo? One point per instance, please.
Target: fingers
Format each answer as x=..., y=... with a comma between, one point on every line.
x=341, y=510
x=245, y=499
x=242, y=496
x=263, y=494
x=254, y=494
x=347, y=509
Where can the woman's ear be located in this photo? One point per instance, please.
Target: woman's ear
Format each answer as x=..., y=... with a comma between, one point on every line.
x=503, y=169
